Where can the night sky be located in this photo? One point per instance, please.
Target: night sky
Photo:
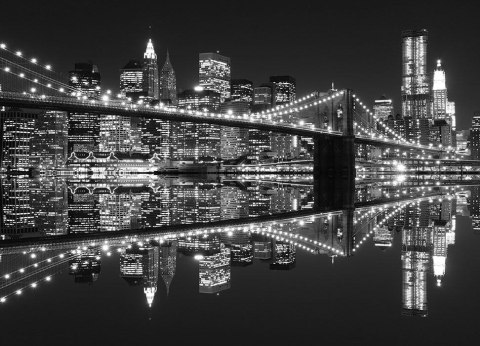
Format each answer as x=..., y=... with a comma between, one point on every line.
x=356, y=45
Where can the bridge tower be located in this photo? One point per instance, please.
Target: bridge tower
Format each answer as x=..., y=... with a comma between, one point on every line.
x=334, y=160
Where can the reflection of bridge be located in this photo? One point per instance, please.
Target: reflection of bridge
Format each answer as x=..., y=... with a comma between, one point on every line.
x=350, y=222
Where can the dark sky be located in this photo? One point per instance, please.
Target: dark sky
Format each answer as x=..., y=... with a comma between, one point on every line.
x=356, y=45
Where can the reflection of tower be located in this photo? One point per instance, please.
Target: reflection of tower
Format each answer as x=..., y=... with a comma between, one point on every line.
x=83, y=212
x=241, y=247
x=168, y=262
x=475, y=208
x=86, y=267
x=262, y=250
x=439, y=238
x=284, y=256
x=415, y=259
x=214, y=272
x=139, y=265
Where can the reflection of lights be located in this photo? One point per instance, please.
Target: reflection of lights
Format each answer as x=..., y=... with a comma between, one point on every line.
x=198, y=257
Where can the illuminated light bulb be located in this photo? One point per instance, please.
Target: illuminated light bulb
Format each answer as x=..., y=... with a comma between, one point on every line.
x=3, y=46
x=49, y=85
x=33, y=255
x=33, y=90
x=3, y=300
x=7, y=69
x=7, y=276
x=18, y=292
x=34, y=61
x=18, y=53
x=34, y=285
x=48, y=278
x=62, y=90
x=48, y=67
x=22, y=270
x=21, y=75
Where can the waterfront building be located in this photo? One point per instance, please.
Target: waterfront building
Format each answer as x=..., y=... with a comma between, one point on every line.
x=16, y=129
x=415, y=85
x=83, y=132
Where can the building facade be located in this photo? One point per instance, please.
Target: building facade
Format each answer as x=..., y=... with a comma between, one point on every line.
x=168, y=83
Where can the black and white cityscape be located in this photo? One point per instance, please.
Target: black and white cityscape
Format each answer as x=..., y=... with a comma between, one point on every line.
x=287, y=176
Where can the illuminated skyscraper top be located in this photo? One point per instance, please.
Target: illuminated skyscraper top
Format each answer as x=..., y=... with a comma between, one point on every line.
x=150, y=52
x=439, y=91
x=415, y=86
x=150, y=73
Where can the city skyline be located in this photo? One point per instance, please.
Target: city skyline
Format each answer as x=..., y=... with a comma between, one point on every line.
x=343, y=68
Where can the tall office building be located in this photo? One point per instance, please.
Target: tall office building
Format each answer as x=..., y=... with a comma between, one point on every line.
x=155, y=137
x=50, y=140
x=241, y=90
x=168, y=83
x=383, y=108
x=284, y=89
x=415, y=85
x=263, y=97
x=16, y=129
x=131, y=80
x=86, y=79
x=214, y=73
x=439, y=91
x=195, y=141
x=115, y=133
x=475, y=137
x=151, y=85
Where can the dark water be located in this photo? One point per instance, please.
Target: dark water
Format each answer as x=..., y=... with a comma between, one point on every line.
x=231, y=262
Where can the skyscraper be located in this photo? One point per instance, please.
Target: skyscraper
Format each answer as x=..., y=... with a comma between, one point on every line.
x=214, y=73
x=214, y=272
x=284, y=89
x=150, y=73
x=241, y=90
x=131, y=80
x=475, y=137
x=383, y=108
x=439, y=91
x=415, y=85
x=86, y=79
x=168, y=82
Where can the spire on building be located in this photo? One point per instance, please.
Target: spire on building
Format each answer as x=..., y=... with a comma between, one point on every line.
x=439, y=77
x=150, y=52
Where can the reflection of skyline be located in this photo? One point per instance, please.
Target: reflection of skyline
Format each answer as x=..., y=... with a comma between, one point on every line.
x=427, y=229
